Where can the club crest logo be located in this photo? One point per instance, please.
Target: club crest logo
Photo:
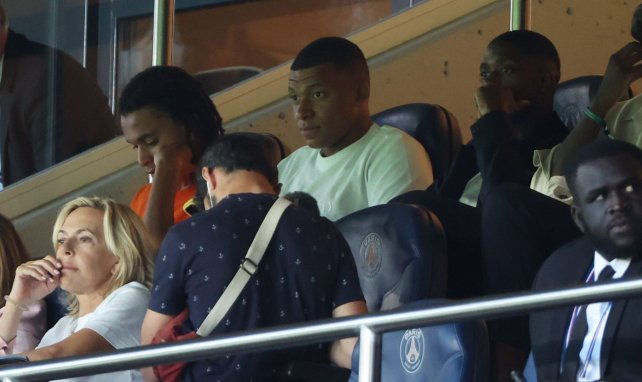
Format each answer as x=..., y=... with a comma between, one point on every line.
x=370, y=254
x=411, y=350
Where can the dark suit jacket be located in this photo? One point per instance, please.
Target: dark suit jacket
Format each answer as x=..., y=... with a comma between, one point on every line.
x=622, y=343
x=50, y=109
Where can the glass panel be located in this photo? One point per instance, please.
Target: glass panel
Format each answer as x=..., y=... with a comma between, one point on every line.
x=51, y=107
x=75, y=56
x=224, y=42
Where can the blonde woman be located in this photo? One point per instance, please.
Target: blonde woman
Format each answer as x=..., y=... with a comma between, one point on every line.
x=33, y=321
x=103, y=262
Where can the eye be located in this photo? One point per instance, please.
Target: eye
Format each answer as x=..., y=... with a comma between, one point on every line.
x=150, y=141
x=85, y=239
x=318, y=94
x=506, y=70
x=60, y=241
x=294, y=97
x=484, y=74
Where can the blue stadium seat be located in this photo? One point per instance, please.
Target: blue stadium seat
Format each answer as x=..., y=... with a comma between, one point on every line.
x=400, y=252
x=575, y=95
x=454, y=352
x=433, y=126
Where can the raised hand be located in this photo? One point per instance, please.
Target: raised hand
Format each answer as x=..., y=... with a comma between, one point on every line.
x=35, y=279
x=492, y=97
x=623, y=68
x=175, y=161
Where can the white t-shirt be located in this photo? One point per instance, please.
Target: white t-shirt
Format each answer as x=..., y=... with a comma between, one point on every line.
x=117, y=319
x=384, y=163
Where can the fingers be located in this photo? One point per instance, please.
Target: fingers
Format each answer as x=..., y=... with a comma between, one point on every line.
x=45, y=269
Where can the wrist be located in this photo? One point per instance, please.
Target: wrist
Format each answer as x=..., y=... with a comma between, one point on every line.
x=15, y=303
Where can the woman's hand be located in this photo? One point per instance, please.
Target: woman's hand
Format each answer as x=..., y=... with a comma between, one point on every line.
x=35, y=279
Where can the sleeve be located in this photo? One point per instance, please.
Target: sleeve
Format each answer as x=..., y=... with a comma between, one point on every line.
x=399, y=165
x=497, y=159
x=168, y=296
x=542, y=181
x=119, y=319
x=139, y=201
x=347, y=288
x=30, y=330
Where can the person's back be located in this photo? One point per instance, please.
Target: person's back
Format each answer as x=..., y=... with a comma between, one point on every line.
x=307, y=270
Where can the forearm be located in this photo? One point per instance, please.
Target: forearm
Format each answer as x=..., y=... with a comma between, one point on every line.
x=584, y=133
x=9, y=321
x=341, y=352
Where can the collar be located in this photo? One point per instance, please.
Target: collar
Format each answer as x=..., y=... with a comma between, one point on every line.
x=619, y=265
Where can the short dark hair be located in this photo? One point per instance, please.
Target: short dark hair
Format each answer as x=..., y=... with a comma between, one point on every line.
x=601, y=148
x=530, y=44
x=241, y=151
x=343, y=53
x=172, y=90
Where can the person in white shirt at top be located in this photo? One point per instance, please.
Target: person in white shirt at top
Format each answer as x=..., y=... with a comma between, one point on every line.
x=349, y=162
x=104, y=263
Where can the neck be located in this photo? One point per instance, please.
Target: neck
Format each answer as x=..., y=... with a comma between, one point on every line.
x=361, y=126
x=242, y=181
x=88, y=303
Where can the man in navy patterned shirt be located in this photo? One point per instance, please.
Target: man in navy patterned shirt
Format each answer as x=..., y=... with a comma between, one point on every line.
x=307, y=273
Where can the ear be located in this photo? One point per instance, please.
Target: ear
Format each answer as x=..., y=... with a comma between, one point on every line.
x=576, y=214
x=209, y=176
x=115, y=267
x=363, y=90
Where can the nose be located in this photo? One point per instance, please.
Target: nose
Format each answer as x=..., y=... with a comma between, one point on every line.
x=64, y=249
x=144, y=157
x=303, y=110
x=617, y=203
x=491, y=79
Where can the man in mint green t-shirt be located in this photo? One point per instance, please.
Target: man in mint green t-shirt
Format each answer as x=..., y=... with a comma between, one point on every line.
x=349, y=163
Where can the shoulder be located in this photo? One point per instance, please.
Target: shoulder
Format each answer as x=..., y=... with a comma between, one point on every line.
x=302, y=153
x=131, y=292
x=567, y=264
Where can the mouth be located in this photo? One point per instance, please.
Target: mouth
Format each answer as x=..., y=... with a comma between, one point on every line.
x=621, y=225
x=308, y=132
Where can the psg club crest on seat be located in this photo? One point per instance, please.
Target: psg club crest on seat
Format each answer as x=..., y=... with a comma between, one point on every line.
x=411, y=350
x=370, y=254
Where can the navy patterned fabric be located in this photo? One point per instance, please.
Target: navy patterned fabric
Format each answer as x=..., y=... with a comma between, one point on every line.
x=307, y=271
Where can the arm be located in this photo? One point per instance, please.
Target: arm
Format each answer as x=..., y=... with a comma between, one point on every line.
x=84, y=341
x=341, y=350
x=494, y=137
x=34, y=280
x=152, y=323
x=172, y=168
x=398, y=164
x=622, y=69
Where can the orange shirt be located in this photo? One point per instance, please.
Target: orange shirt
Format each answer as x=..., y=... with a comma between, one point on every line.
x=139, y=202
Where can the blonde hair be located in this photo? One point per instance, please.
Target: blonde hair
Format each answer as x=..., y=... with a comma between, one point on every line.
x=126, y=238
x=12, y=254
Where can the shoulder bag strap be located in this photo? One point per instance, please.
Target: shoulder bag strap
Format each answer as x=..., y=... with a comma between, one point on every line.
x=248, y=268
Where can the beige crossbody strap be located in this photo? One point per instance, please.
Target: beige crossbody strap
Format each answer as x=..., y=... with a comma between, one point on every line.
x=248, y=268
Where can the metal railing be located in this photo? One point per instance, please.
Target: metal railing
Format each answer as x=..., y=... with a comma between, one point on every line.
x=370, y=326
